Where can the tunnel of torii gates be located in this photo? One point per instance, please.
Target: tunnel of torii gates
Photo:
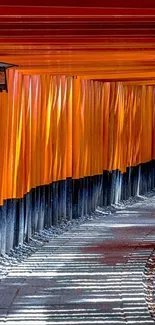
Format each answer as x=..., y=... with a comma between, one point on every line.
x=77, y=126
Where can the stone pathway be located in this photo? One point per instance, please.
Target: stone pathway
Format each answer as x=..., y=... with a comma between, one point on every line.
x=94, y=274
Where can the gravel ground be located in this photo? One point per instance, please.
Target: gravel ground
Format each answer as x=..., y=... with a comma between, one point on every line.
x=139, y=260
x=20, y=253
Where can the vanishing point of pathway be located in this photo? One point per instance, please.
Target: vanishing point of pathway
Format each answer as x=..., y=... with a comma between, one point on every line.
x=100, y=272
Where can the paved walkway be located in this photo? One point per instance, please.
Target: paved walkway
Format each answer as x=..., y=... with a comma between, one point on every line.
x=94, y=274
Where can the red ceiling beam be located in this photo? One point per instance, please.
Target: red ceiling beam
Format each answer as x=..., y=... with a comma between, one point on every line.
x=80, y=33
x=75, y=12
x=82, y=3
x=100, y=42
x=112, y=24
x=6, y=19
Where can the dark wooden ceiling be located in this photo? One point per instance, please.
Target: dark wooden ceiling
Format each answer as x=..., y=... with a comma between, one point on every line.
x=111, y=39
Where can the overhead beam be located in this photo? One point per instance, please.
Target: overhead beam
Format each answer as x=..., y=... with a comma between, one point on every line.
x=48, y=11
x=64, y=38
x=122, y=76
x=81, y=3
